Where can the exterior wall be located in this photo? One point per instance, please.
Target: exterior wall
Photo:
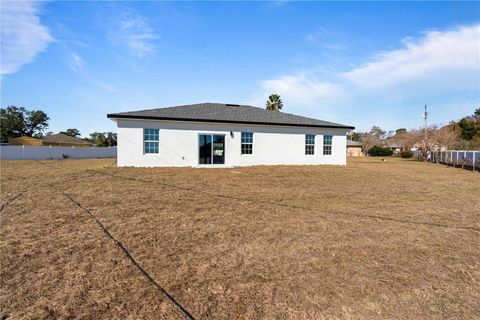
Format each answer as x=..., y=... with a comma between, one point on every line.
x=272, y=145
x=354, y=151
x=44, y=152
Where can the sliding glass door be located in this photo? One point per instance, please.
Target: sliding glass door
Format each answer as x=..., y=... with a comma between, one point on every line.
x=211, y=149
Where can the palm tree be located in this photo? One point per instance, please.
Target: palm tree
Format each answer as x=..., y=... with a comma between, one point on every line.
x=274, y=102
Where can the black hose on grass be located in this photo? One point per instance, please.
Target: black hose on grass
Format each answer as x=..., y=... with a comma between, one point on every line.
x=46, y=165
x=3, y=205
x=363, y=216
x=119, y=244
x=132, y=260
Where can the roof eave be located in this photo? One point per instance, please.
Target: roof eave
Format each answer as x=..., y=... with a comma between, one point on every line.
x=113, y=116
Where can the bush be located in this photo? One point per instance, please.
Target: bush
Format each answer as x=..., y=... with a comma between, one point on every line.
x=406, y=154
x=378, y=151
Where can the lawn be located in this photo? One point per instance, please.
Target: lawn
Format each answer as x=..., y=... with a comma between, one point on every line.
x=372, y=240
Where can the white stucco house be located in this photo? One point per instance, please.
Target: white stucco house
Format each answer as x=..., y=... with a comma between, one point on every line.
x=225, y=135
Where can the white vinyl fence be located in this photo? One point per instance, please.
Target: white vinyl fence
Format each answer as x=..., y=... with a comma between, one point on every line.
x=469, y=160
x=51, y=152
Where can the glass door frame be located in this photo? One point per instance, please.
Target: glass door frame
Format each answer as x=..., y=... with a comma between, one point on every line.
x=211, y=150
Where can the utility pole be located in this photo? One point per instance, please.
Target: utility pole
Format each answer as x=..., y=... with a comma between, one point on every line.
x=425, y=142
x=425, y=115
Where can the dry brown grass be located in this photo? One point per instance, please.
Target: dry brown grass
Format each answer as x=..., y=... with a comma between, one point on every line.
x=373, y=240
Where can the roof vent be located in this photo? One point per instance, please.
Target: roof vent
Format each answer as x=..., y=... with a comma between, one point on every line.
x=232, y=105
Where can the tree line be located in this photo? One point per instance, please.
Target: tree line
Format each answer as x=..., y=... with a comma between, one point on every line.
x=18, y=121
x=463, y=134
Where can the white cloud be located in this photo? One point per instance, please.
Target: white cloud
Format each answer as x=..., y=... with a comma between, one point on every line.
x=436, y=54
x=23, y=36
x=301, y=89
x=302, y=94
x=441, y=69
x=438, y=62
x=137, y=34
x=75, y=62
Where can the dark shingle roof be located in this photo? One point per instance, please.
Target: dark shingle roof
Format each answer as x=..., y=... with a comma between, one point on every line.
x=63, y=138
x=226, y=113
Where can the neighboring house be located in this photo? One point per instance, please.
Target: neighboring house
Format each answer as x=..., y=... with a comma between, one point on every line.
x=214, y=134
x=395, y=147
x=64, y=140
x=58, y=139
x=433, y=146
x=354, y=149
x=25, y=141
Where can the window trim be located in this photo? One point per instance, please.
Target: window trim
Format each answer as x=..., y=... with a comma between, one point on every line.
x=145, y=141
x=245, y=143
x=307, y=144
x=330, y=145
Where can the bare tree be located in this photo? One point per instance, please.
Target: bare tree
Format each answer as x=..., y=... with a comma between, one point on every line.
x=416, y=139
x=438, y=137
x=371, y=138
x=447, y=137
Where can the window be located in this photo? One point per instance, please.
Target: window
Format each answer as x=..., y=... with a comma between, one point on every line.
x=150, y=140
x=327, y=145
x=309, y=144
x=247, y=143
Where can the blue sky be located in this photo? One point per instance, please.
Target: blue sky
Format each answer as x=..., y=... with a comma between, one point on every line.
x=357, y=63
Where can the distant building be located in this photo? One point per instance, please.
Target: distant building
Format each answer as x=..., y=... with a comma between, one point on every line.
x=25, y=141
x=59, y=139
x=64, y=140
x=354, y=149
x=395, y=147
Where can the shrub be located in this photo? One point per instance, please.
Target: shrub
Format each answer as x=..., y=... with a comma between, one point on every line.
x=378, y=151
x=406, y=154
